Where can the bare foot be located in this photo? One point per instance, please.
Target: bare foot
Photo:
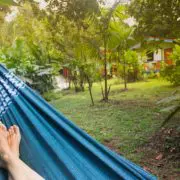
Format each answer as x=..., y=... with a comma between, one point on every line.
x=14, y=138
x=5, y=151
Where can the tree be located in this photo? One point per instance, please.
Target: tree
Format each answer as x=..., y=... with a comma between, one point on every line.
x=51, y=38
x=109, y=37
x=156, y=17
x=17, y=57
x=80, y=57
x=5, y=8
x=32, y=54
x=121, y=39
x=73, y=10
x=105, y=22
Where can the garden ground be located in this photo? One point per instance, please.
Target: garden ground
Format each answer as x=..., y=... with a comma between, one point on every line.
x=129, y=123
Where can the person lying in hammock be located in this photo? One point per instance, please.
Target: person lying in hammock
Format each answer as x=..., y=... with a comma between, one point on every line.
x=9, y=155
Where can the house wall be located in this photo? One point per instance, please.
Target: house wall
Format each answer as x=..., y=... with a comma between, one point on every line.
x=163, y=53
x=60, y=82
x=157, y=55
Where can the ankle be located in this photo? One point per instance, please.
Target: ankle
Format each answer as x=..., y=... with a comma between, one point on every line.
x=10, y=160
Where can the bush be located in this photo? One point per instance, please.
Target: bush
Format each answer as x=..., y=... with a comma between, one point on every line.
x=133, y=69
x=172, y=72
x=51, y=95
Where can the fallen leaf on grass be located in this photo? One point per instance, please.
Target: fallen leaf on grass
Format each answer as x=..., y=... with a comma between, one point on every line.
x=159, y=157
x=147, y=169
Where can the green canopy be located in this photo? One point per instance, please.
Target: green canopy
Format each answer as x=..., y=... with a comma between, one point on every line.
x=7, y=2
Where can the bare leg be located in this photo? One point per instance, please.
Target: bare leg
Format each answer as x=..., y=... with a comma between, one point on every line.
x=4, y=129
x=17, y=168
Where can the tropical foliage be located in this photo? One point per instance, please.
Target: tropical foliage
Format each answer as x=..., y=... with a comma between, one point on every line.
x=97, y=52
x=156, y=18
x=172, y=72
x=172, y=106
x=83, y=37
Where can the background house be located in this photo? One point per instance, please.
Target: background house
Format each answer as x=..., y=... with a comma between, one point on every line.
x=153, y=51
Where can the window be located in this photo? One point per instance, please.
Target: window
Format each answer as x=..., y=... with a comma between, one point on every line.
x=149, y=56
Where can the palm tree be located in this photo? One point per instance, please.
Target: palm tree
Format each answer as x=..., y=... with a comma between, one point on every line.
x=102, y=23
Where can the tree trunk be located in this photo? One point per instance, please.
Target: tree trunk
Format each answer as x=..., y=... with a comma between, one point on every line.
x=90, y=89
x=81, y=83
x=90, y=92
x=74, y=80
x=125, y=78
x=134, y=75
x=105, y=71
x=102, y=91
x=69, y=82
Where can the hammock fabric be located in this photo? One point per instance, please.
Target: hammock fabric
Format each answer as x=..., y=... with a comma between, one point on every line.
x=51, y=144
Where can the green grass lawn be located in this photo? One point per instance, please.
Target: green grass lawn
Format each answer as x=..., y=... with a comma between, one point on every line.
x=123, y=124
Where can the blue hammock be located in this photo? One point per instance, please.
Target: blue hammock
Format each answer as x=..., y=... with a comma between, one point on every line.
x=52, y=145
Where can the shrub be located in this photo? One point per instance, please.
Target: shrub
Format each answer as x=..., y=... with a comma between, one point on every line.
x=172, y=72
x=51, y=95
